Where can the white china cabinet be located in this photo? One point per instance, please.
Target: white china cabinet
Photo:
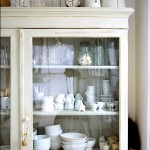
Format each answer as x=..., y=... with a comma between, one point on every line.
x=62, y=52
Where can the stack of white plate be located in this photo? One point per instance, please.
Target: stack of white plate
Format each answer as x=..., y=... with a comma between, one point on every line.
x=54, y=132
x=41, y=142
x=73, y=141
x=4, y=147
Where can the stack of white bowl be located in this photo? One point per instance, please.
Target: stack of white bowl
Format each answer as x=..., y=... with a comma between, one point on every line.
x=54, y=132
x=41, y=142
x=73, y=141
x=34, y=132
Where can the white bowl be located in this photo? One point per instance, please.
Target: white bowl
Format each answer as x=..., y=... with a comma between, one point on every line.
x=74, y=146
x=55, y=144
x=54, y=134
x=73, y=136
x=4, y=147
x=43, y=146
x=34, y=131
x=88, y=148
x=90, y=142
x=52, y=128
x=74, y=142
x=41, y=139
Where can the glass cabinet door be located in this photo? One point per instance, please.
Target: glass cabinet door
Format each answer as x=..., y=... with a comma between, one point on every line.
x=73, y=96
x=8, y=96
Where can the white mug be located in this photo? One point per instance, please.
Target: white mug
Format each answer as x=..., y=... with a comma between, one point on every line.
x=48, y=104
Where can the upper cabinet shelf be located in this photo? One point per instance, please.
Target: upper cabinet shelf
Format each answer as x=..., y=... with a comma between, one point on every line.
x=65, y=17
x=4, y=67
x=71, y=112
x=74, y=67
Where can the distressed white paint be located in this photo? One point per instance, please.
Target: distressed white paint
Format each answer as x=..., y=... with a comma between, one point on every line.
x=95, y=23
x=13, y=34
x=26, y=38
x=70, y=18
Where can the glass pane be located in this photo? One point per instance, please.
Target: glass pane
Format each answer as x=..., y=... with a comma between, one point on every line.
x=5, y=93
x=76, y=91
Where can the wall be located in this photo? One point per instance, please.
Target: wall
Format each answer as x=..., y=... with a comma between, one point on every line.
x=142, y=68
x=131, y=76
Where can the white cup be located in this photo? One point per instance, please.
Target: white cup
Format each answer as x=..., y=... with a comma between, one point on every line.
x=105, y=146
x=100, y=105
x=48, y=104
x=5, y=102
x=60, y=98
x=101, y=143
x=94, y=107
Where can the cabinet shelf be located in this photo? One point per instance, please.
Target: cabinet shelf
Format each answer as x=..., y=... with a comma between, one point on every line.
x=4, y=112
x=73, y=112
x=73, y=67
x=4, y=67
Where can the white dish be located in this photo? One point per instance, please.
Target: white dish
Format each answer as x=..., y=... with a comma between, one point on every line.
x=73, y=136
x=55, y=145
x=4, y=147
x=53, y=128
x=74, y=142
x=54, y=134
x=74, y=146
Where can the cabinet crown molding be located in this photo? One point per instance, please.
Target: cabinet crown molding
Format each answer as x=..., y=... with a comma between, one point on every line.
x=64, y=17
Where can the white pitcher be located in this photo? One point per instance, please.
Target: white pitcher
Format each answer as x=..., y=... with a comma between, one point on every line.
x=48, y=104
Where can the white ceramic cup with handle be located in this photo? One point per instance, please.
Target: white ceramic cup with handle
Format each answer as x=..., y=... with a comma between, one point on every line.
x=48, y=104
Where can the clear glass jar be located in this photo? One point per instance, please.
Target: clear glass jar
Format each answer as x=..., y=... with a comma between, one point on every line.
x=85, y=57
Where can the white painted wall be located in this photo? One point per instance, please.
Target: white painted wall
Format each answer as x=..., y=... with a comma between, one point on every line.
x=131, y=75
x=148, y=130
x=142, y=69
